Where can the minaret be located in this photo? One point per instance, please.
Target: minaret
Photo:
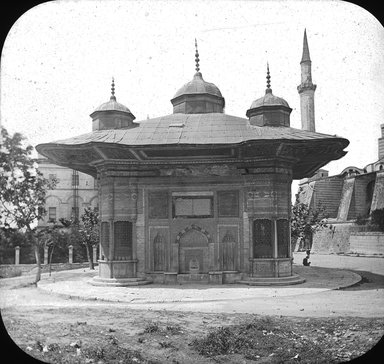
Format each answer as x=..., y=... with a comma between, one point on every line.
x=307, y=90
x=381, y=142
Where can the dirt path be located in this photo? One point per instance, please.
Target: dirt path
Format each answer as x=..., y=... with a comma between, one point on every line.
x=107, y=333
x=336, y=325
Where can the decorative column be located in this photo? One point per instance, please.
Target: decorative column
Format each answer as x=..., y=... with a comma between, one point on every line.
x=17, y=255
x=275, y=248
x=70, y=254
x=111, y=208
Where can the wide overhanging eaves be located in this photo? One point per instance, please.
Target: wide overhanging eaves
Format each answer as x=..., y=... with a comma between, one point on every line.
x=305, y=156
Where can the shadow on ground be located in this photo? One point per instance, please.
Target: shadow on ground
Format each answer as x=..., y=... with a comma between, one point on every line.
x=369, y=281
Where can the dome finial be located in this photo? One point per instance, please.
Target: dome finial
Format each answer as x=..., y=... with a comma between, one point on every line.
x=113, y=97
x=268, y=90
x=197, y=57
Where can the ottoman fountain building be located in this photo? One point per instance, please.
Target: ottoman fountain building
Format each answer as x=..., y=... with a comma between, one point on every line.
x=197, y=195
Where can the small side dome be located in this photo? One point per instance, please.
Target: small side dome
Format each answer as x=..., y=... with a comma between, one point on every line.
x=112, y=115
x=113, y=105
x=269, y=110
x=198, y=96
x=269, y=99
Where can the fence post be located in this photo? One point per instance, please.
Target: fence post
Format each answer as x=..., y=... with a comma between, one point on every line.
x=17, y=255
x=45, y=255
x=94, y=251
x=70, y=255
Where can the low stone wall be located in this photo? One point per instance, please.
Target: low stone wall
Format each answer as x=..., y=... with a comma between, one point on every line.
x=336, y=240
x=12, y=270
x=369, y=243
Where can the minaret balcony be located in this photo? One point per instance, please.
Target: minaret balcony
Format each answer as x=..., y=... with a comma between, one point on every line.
x=306, y=86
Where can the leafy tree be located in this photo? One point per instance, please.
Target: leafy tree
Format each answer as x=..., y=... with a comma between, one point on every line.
x=23, y=190
x=90, y=232
x=9, y=239
x=51, y=236
x=305, y=221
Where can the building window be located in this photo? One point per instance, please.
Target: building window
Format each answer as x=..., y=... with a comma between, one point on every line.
x=123, y=239
x=192, y=206
x=158, y=205
x=228, y=203
x=52, y=214
x=95, y=184
x=262, y=238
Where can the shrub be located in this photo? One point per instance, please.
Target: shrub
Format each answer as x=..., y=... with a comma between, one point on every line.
x=152, y=327
x=10, y=272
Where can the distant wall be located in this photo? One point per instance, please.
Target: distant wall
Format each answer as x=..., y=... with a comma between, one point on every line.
x=367, y=243
x=12, y=270
x=336, y=240
x=327, y=193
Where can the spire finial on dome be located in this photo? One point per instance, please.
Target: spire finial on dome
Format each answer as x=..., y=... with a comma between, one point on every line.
x=268, y=90
x=197, y=57
x=113, y=97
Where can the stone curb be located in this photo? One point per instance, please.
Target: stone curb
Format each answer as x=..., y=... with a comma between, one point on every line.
x=357, y=279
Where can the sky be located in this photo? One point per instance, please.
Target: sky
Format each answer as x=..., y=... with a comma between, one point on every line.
x=59, y=57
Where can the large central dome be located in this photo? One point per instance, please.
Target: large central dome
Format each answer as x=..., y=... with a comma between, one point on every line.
x=198, y=96
x=198, y=86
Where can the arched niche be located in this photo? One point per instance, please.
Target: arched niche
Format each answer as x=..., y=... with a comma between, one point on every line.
x=193, y=250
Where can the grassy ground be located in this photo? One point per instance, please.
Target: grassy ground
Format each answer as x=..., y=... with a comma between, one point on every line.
x=113, y=334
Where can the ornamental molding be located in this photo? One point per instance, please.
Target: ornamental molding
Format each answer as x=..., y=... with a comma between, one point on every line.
x=193, y=227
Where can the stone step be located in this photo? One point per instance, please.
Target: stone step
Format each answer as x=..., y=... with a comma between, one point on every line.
x=273, y=281
x=193, y=278
x=119, y=282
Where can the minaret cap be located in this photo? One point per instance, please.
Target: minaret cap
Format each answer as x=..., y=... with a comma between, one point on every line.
x=305, y=57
